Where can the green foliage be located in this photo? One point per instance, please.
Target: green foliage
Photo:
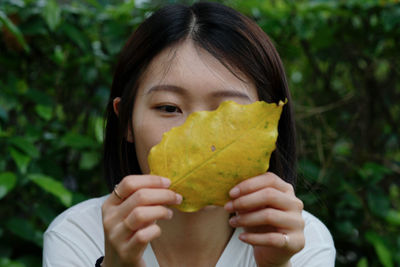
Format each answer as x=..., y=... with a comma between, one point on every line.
x=56, y=66
x=341, y=58
x=7, y=183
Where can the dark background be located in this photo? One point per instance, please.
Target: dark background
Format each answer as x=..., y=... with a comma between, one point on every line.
x=343, y=63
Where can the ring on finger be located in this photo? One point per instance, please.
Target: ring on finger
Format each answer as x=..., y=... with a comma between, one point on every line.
x=116, y=192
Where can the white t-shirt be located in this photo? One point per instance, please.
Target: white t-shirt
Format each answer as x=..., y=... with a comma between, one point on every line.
x=76, y=238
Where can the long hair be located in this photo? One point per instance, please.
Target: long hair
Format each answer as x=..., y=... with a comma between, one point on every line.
x=233, y=39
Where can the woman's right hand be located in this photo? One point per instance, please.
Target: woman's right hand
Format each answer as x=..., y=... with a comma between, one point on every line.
x=130, y=222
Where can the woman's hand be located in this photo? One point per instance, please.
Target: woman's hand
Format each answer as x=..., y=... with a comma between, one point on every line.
x=130, y=221
x=267, y=208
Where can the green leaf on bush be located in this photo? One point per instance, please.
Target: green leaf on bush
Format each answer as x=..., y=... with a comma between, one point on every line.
x=78, y=141
x=14, y=30
x=6, y=262
x=20, y=159
x=52, y=14
x=99, y=129
x=25, y=145
x=378, y=202
x=39, y=97
x=362, y=263
x=45, y=112
x=25, y=230
x=7, y=183
x=393, y=217
x=54, y=187
x=373, y=171
x=381, y=248
x=123, y=9
x=309, y=170
x=342, y=148
x=75, y=35
x=59, y=55
x=89, y=160
x=22, y=87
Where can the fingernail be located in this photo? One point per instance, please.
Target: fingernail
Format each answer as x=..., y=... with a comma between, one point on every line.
x=233, y=221
x=228, y=206
x=235, y=192
x=243, y=237
x=178, y=199
x=170, y=213
x=166, y=182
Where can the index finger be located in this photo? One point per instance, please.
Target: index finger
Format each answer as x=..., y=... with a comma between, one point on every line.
x=130, y=184
x=256, y=183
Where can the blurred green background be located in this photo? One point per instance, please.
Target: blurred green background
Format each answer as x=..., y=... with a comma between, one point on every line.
x=343, y=65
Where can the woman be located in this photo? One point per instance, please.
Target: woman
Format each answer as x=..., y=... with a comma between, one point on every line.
x=181, y=60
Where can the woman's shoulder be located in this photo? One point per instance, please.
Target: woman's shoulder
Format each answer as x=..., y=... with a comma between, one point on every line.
x=75, y=237
x=83, y=213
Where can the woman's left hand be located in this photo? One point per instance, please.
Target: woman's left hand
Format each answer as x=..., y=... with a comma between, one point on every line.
x=269, y=211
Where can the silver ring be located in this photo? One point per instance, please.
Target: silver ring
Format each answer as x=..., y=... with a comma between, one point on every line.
x=116, y=192
x=286, y=242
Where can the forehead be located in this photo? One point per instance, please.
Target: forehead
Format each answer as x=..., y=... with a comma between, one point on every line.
x=189, y=66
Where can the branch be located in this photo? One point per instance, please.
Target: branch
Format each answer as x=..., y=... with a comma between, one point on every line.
x=308, y=112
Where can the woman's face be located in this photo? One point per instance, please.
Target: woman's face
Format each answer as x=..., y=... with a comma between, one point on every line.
x=181, y=80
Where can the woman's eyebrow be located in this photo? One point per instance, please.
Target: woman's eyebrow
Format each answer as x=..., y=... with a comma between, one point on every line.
x=166, y=88
x=230, y=93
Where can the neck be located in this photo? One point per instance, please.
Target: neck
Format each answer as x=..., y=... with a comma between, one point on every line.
x=200, y=236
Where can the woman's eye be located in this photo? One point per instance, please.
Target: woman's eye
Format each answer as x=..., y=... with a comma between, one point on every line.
x=168, y=109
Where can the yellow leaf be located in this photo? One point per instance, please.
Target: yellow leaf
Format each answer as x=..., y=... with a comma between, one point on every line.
x=215, y=150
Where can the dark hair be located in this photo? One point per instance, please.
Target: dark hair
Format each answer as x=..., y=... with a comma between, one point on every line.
x=235, y=40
